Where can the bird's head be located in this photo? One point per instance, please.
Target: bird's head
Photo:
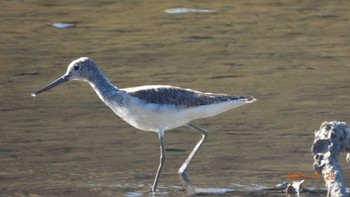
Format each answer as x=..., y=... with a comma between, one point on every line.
x=79, y=69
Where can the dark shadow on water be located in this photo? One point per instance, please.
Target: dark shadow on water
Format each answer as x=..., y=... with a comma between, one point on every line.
x=236, y=190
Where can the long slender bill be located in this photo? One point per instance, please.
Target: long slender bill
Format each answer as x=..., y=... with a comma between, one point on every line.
x=58, y=81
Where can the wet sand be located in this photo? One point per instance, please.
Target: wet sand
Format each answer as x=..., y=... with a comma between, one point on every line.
x=292, y=56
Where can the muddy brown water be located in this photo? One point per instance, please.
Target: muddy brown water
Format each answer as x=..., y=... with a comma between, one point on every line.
x=293, y=56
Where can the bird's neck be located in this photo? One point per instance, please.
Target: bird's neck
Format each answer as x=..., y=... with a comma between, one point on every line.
x=103, y=87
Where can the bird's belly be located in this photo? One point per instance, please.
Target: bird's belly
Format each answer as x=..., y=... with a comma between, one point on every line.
x=152, y=117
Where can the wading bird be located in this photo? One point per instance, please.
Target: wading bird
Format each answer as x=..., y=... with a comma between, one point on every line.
x=153, y=108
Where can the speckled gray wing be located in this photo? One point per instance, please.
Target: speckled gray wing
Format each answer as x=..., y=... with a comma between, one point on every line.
x=183, y=97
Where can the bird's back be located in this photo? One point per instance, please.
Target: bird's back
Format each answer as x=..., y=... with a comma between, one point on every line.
x=170, y=95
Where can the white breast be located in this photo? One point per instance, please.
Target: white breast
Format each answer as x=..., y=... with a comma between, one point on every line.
x=151, y=117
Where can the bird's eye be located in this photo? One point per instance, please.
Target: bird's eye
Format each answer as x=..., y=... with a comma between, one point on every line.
x=76, y=67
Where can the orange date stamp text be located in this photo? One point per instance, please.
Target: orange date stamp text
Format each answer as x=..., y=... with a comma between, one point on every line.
x=298, y=176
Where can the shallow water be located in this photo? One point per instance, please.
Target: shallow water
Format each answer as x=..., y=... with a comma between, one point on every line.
x=293, y=56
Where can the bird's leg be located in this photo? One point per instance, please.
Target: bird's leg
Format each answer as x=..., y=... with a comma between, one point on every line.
x=183, y=169
x=162, y=159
